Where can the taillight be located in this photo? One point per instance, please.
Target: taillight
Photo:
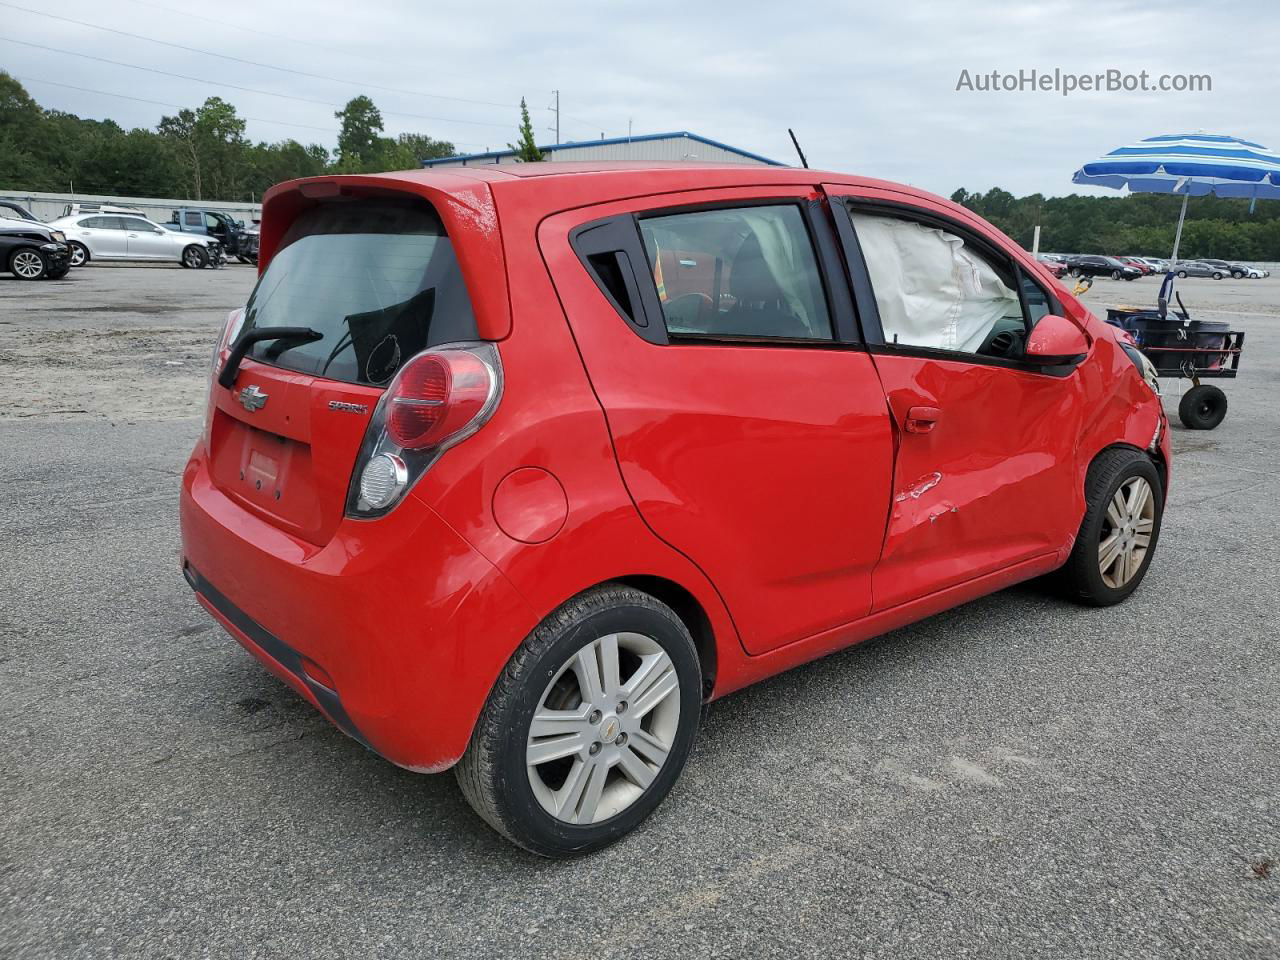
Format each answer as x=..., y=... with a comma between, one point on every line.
x=230, y=330
x=437, y=399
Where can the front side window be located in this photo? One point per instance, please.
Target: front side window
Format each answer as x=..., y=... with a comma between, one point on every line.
x=378, y=279
x=933, y=289
x=745, y=272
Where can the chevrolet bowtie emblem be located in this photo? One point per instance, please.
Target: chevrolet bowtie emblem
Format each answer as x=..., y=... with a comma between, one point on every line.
x=251, y=398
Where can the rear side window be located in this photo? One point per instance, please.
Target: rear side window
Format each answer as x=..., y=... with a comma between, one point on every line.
x=193, y=218
x=744, y=272
x=377, y=278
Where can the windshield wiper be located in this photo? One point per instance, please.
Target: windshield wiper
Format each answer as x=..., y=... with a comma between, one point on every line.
x=259, y=335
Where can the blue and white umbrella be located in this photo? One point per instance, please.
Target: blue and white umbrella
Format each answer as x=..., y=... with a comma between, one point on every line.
x=1190, y=164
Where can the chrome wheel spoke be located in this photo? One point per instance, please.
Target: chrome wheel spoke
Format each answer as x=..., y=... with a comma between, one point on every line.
x=1115, y=514
x=567, y=798
x=665, y=684
x=587, y=668
x=552, y=723
x=634, y=768
x=554, y=748
x=649, y=747
x=611, y=682
x=1108, y=552
x=597, y=774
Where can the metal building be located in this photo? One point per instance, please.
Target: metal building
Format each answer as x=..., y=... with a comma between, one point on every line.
x=664, y=147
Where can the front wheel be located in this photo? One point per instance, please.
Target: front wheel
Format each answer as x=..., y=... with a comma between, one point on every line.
x=588, y=726
x=28, y=264
x=1120, y=529
x=1217, y=275
x=1237, y=275
x=1202, y=407
x=195, y=257
x=79, y=254
x=1182, y=274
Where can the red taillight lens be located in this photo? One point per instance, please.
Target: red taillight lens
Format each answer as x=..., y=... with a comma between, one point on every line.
x=434, y=396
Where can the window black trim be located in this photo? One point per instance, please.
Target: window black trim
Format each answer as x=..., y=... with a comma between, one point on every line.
x=621, y=234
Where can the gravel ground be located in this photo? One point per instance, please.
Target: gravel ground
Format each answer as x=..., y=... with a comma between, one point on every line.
x=1015, y=778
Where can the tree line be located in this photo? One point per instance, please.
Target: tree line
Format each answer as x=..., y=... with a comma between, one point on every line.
x=1140, y=224
x=196, y=154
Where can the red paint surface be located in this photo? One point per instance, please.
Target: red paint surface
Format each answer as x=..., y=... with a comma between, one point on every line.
x=780, y=488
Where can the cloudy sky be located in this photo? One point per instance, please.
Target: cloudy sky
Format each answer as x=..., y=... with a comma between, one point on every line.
x=868, y=91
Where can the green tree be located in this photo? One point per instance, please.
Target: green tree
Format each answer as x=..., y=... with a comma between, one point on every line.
x=358, y=141
x=527, y=149
x=210, y=144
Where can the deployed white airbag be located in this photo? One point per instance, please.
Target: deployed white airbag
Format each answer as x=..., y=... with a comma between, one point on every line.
x=931, y=291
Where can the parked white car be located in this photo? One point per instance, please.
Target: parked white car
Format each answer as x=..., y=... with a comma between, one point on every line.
x=98, y=236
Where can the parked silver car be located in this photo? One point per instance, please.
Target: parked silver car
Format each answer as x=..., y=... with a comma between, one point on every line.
x=99, y=236
x=1198, y=268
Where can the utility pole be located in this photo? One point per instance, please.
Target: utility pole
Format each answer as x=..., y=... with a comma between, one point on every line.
x=555, y=108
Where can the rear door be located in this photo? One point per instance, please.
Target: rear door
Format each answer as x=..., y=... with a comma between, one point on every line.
x=106, y=237
x=984, y=478
x=379, y=280
x=749, y=424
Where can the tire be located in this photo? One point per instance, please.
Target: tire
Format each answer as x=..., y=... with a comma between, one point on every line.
x=195, y=257
x=1114, y=470
x=1074, y=271
x=1237, y=275
x=1202, y=407
x=1217, y=275
x=1115, y=274
x=28, y=264
x=1182, y=274
x=79, y=254
x=543, y=675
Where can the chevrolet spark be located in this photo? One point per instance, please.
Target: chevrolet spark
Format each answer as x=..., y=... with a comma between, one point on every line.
x=512, y=469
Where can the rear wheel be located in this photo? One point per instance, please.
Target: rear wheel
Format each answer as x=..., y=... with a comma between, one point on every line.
x=28, y=264
x=1120, y=529
x=79, y=254
x=1115, y=274
x=1182, y=274
x=1237, y=274
x=589, y=725
x=1202, y=407
x=194, y=257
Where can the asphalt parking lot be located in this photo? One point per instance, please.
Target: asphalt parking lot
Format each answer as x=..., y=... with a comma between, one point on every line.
x=1019, y=777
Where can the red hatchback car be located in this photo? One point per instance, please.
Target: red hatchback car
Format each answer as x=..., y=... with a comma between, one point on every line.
x=511, y=469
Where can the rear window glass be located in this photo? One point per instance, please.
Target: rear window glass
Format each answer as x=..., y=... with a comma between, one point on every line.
x=378, y=278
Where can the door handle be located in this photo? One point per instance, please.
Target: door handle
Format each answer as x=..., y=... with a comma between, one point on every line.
x=921, y=419
x=133, y=236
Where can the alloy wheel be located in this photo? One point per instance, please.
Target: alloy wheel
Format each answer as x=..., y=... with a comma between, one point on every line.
x=27, y=264
x=77, y=255
x=603, y=728
x=1126, y=532
x=192, y=257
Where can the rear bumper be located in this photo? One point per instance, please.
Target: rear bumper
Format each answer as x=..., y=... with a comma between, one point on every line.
x=396, y=629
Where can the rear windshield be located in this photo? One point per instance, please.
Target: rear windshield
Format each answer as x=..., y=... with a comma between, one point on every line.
x=379, y=280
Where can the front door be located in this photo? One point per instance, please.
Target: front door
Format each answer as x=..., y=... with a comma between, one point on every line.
x=749, y=425
x=147, y=241
x=985, y=464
